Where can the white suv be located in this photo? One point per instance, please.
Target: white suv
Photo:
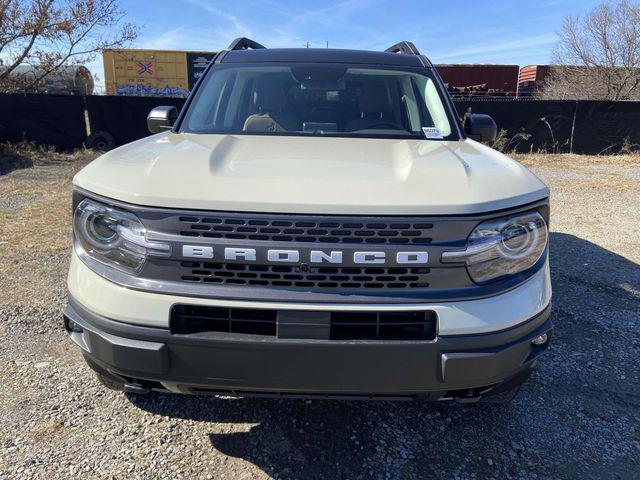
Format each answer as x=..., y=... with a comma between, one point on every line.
x=314, y=223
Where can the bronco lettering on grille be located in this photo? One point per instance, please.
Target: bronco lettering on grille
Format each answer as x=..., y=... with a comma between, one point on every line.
x=332, y=257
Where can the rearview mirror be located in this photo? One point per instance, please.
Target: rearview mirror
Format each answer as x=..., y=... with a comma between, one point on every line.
x=480, y=127
x=161, y=119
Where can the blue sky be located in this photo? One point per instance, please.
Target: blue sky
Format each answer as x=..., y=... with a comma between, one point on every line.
x=461, y=31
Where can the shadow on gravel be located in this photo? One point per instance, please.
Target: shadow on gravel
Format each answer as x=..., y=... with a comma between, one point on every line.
x=576, y=418
x=577, y=263
x=332, y=439
x=11, y=160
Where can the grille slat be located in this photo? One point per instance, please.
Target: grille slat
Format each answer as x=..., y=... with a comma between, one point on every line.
x=295, y=277
x=307, y=231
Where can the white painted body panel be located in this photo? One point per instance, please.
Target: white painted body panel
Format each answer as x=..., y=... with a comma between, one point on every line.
x=311, y=175
x=454, y=318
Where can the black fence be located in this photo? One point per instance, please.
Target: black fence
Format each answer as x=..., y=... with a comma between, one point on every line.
x=68, y=121
x=124, y=118
x=48, y=119
x=585, y=127
x=555, y=126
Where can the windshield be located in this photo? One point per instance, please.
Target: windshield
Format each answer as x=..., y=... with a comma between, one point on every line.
x=313, y=99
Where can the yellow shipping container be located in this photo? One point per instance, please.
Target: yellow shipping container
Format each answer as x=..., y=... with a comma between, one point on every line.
x=166, y=73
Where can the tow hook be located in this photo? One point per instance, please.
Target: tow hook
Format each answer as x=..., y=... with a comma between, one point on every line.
x=136, y=388
x=470, y=399
x=473, y=395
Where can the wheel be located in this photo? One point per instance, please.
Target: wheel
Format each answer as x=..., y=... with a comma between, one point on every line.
x=102, y=141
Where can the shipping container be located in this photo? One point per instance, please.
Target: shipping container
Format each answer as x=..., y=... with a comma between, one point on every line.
x=531, y=79
x=165, y=73
x=496, y=77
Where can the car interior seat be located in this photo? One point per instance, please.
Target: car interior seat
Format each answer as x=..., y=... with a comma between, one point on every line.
x=269, y=101
x=375, y=107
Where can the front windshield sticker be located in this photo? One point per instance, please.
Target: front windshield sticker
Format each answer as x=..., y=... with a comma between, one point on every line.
x=432, y=133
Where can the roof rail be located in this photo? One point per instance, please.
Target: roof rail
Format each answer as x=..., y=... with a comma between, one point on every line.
x=403, y=47
x=244, y=43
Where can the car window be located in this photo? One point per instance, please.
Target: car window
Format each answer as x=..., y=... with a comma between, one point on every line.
x=318, y=99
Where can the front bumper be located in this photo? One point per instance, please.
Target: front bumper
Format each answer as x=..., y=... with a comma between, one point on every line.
x=460, y=366
x=468, y=317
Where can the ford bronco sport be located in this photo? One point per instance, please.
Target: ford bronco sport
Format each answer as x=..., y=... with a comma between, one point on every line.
x=313, y=223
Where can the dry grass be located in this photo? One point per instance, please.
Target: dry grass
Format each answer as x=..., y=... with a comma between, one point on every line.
x=41, y=221
x=35, y=221
x=596, y=172
x=566, y=160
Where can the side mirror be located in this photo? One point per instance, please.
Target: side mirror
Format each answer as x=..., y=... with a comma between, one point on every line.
x=161, y=119
x=480, y=127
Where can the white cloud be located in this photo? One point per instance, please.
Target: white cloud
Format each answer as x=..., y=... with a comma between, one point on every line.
x=296, y=23
x=167, y=40
x=330, y=16
x=499, y=48
x=236, y=26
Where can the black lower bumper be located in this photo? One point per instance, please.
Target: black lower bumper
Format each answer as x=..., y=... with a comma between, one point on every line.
x=457, y=366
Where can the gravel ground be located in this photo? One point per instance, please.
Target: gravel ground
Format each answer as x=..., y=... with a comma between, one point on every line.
x=578, y=417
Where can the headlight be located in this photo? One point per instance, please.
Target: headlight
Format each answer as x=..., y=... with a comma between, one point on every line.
x=501, y=247
x=113, y=237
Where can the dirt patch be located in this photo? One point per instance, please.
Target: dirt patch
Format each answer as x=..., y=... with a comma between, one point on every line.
x=578, y=161
x=35, y=223
x=11, y=160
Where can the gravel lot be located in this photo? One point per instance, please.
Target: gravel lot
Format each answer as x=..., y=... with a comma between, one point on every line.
x=578, y=417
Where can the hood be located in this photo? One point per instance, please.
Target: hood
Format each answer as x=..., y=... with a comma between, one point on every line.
x=316, y=175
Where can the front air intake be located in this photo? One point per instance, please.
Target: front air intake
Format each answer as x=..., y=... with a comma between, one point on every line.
x=343, y=325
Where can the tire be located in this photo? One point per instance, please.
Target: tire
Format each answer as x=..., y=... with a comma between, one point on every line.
x=102, y=141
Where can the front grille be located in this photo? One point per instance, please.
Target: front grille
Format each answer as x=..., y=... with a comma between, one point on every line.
x=349, y=279
x=344, y=325
x=307, y=277
x=304, y=279
x=310, y=229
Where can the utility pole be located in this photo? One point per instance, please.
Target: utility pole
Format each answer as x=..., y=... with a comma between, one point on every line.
x=308, y=45
x=327, y=43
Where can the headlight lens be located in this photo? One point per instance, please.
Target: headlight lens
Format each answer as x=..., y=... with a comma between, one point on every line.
x=113, y=237
x=502, y=247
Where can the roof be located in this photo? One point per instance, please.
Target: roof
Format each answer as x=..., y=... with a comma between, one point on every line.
x=322, y=55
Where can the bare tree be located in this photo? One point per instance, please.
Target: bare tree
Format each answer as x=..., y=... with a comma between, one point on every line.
x=598, y=55
x=48, y=35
